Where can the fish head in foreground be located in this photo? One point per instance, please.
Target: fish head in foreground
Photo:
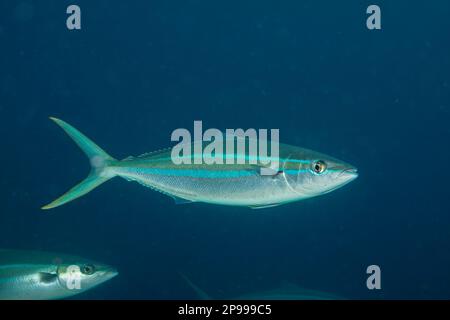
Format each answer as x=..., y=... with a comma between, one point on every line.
x=36, y=275
x=317, y=174
x=81, y=276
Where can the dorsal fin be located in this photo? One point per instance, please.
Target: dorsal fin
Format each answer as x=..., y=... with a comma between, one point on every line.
x=152, y=153
x=147, y=154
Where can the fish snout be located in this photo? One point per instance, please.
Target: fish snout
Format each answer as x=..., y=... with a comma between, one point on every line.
x=349, y=174
x=109, y=273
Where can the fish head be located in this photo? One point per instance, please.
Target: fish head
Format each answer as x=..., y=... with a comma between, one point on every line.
x=83, y=275
x=316, y=174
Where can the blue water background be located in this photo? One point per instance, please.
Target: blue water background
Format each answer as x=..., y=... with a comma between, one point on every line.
x=139, y=69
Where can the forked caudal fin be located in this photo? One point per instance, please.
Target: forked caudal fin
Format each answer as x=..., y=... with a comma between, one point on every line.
x=98, y=158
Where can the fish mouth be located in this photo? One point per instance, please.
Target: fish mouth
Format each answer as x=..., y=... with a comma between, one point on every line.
x=349, y=173
x=112, y=273
x=109, y=274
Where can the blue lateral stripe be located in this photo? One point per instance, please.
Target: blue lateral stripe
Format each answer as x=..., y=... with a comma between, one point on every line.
x=247, y=158
x=204, y=173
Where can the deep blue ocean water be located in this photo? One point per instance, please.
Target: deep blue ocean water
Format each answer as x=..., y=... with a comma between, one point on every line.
x=137, y=70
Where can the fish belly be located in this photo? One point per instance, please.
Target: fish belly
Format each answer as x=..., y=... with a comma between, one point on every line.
x=250, y=190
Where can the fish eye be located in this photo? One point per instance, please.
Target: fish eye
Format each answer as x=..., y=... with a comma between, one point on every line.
x=319, y=167
x=88, y=269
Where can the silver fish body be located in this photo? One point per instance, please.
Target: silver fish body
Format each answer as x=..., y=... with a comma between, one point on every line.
x=301, y=174
x=238, y=184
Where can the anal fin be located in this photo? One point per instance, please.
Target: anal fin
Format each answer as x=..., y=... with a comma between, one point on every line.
x=264, y=206
x=179, y=200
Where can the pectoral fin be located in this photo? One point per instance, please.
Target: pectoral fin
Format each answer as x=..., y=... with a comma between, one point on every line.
x=47, y=278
